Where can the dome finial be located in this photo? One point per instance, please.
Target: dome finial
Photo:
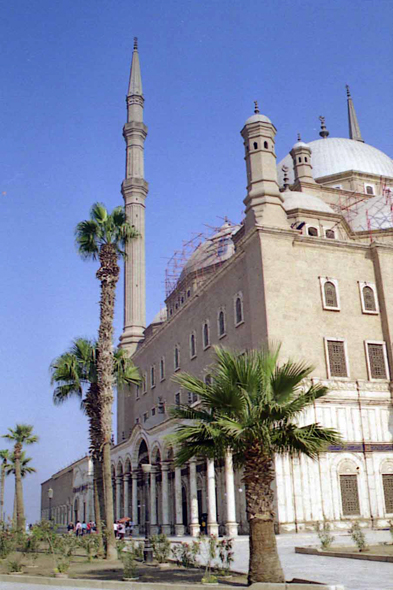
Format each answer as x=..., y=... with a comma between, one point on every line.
x=135, y=43
x=298, y=137
x=324, y=132
x=256, y=107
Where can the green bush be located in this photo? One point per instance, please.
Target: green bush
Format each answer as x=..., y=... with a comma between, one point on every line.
x=324, y=535
x=7, y=543
x=358, y=537
x=225, y=555
x=161, y=548
x=90, y=544
x=62, y=565
x=186, y=553
x=14, y=566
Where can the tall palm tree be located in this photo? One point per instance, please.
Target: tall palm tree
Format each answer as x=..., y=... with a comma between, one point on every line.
x=75, y=374
x=25, y=468
x=21, y=435
x=104, y=236
x=251, y=408
x=4, y=457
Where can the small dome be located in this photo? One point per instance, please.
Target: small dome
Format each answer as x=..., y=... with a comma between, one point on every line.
x=334, y=155
x=257, y=118
x=298, y=200
x=301, y=144
x=160, y=317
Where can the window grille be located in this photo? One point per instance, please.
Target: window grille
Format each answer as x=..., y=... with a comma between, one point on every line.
x=336, y=353
x=177, y=399
x=330, y=294
x=192, y=398
x=192, y=346
x=205, y=335
x=349, y=494
x=221, y=323
x=376, y=359
x=239, y=310
x=330, y=234
x=369, y=299
x=387, y=481
x=312, y=231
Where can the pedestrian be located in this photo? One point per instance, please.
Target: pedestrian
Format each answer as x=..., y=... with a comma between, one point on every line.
x=84, y=528
x=88, y=528
x=121, y=530
x=115, y=528
x=78, y=529
x=70, y=528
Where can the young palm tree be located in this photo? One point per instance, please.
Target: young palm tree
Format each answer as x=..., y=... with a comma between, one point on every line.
x=4, y=457
x=24, y=470
x=104, y=236
x=75, y=374
x=21, y=435
x=250, y=408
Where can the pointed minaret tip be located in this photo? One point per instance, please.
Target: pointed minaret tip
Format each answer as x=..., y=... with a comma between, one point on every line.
x=256, y=107
x=324, y=133
x=354, y=129
x=135, y=85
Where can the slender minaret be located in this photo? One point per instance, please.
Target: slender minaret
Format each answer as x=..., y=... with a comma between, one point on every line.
x=354, y=129
x=134, y=189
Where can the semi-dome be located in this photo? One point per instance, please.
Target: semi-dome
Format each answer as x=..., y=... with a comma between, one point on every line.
x=333, y=155
x=298, y=200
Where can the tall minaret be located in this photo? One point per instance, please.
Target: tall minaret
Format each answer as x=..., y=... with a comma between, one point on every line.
x=354, y=129
x=134, y=189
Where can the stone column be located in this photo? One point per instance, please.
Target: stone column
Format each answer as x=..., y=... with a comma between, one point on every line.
x=119, y=482
x=153, y=502
x=212, y=526
x=179, y=527
x=165, y=526
x=194, y=524
x=231, y=525
x=126, y=482
x=134, y=478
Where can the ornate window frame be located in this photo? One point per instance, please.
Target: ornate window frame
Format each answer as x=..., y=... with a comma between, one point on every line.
x=372, y=286
x=336, y=377
x=239, y=295
x=385, y=358
x=323, y=281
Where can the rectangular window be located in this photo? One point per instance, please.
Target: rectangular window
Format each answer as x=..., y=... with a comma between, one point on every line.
x=144, y=383
x=336, y=358
x=153, y=411
x=177, y=399
x=145, y=416
x=376, y=360
x=136, y=420
x=137, y=391
x=349, y=494
x=387, y=481
x=162, y=369
x=192, y=398
x=153, y=377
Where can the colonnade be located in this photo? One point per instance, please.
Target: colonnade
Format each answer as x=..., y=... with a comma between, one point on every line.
x=145, y=479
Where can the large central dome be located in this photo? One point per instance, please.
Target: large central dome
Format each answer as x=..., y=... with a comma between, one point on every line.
x=333, y=155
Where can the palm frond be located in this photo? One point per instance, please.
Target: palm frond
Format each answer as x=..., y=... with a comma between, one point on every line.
x=87, y=238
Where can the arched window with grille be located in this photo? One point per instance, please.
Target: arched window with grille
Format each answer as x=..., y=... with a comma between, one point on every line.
x=368, y=295
x=349, y=474
x=192, y=346
x=330, y=293
x=206, y=334
x=239, y=318
x=221, y=323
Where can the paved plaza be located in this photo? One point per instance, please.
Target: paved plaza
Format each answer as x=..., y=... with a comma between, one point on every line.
x=353, y=574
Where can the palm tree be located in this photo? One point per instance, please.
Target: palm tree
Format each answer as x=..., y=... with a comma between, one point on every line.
x=250, y=409
x=4, y=457
x=104, y=236
x=75, y=374
x=24, y=470
x=21, y=435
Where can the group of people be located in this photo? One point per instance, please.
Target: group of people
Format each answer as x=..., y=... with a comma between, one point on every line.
x=81, y=528
x=122, y=527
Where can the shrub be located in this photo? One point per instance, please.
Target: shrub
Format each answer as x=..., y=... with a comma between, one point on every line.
x=161, y=548
x=128, y=558
x=209, y=553
x=7, y=543
x=225, y=555
x=120, y=545
x=186, y=553
x=90, y=544
x=358, y=537
x=30, y=546
x=324, y=535
x=14, y=566
x=62, y=565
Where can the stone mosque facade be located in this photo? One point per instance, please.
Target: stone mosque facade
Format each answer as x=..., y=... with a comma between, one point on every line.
x=310, y=266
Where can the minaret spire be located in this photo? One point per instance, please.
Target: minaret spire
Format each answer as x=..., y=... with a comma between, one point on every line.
x=134, y=189
x=354, y=129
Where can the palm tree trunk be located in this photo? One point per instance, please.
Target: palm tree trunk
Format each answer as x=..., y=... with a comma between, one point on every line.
x=108, y=274
x=2, y=493
x=20, y=513
x=97, y=475
x=264, y=565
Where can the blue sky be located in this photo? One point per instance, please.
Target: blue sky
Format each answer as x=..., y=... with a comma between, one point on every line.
x=65, y=68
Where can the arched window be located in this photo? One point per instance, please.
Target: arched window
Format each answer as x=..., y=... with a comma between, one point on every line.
x=177, y=358
x=369, y=299
x=299, y=159
x=330, y=294
x=221, y=323
x=349, y=473
x=312, y=231
x=265, y=145
x=206, y=335
x=238, y=310
x=369, y=189
x=305, y=159
x=162, y=369
x=387, y=483
x=255, y=145
x=192, y=346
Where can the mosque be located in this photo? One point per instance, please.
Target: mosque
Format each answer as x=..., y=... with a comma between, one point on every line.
x=309, y=266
